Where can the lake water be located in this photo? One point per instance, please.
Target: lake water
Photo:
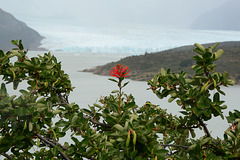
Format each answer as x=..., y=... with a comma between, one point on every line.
x=89, y=87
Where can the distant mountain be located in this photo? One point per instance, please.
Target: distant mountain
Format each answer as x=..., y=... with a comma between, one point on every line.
x=225, y=17
x=13, y=29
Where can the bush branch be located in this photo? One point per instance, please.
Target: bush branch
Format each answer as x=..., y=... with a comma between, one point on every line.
x=46, y=141
x=172, y=145
x=189, y=127
x=6, y=155
x=97, y=123
x=206, y=131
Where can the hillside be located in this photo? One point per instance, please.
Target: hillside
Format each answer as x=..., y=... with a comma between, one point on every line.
x=224, y=17
x=12, y=29
x=143, y=67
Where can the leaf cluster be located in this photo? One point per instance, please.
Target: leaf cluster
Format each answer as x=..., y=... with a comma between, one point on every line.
x=32, y=124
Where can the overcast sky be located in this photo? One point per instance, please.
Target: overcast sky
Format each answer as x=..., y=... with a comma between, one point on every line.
x=92, y=12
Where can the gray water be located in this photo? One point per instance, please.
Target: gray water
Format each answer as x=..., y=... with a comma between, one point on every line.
x=89, y=87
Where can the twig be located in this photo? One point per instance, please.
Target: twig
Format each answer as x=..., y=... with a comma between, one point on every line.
x=204, y=127
x=51, y=144
x=56, y=143
x=189, y=127
x=6, y=155
x=60, y=104
x=172, y=145
x=97, y=123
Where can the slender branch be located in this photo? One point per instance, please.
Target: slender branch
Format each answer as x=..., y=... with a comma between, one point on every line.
x=172, y=153
x=204, y=127
x=172, y=145
x=189, y=127
x=6, y=155
x=60, y=104
x=56, y=143
x=97, y=123
x=64, y=99
x=205, y=70
x=46, y=141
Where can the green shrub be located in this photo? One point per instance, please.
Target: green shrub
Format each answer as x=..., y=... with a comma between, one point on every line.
x=114, y=128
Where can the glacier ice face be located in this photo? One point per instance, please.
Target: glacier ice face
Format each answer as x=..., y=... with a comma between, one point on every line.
x=134, y=40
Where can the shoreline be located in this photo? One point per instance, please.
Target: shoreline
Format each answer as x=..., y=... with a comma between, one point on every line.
x=144, y=67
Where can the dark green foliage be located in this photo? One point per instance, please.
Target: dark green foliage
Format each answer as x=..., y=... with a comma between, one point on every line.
x=115, y=127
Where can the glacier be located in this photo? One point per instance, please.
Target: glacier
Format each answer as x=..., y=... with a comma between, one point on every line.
x=134, y=40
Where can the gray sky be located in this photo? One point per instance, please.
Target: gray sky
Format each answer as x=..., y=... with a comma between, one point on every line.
x=109, y=12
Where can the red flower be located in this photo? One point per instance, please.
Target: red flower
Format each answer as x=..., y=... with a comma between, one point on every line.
x=233, y=127
x=119, y=71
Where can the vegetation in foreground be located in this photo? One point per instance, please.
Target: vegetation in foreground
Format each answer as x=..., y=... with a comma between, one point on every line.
x=32, y=124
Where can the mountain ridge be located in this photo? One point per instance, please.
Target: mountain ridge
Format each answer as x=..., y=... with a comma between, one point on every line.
x=224, y=17
x=14, y=29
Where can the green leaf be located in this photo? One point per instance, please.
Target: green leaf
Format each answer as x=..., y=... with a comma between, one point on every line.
x=14, y=42
x=88, y=112
x=214, y=46
x=192, y=133
x=171, y=99
x=200, y=47
x=94, y=136
x=28, y=64
x=115, y=91
x=4, y=148
x=215, y=83
x=111, y=79
x=40, y=107
x=75, y=140
x=218, y=54
x=118, y=127
x=25, y=126
x=61, y=123
x=205, y=140
x=216, y=98
x=204, y=87
x=98, y=106
x=220, y=91
x=237, y=120
x=163, y=72
x=230, y=134
x=65, y=128
x=150, y=121
x=21, y=111
x=15, y=84
x=192, y=147
x=3, y=90
x=125, y=84
x=224, y=107
x=21, y=45
x=15, y=53
x=161, y=151
x=74, y=119
x=30, y=126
